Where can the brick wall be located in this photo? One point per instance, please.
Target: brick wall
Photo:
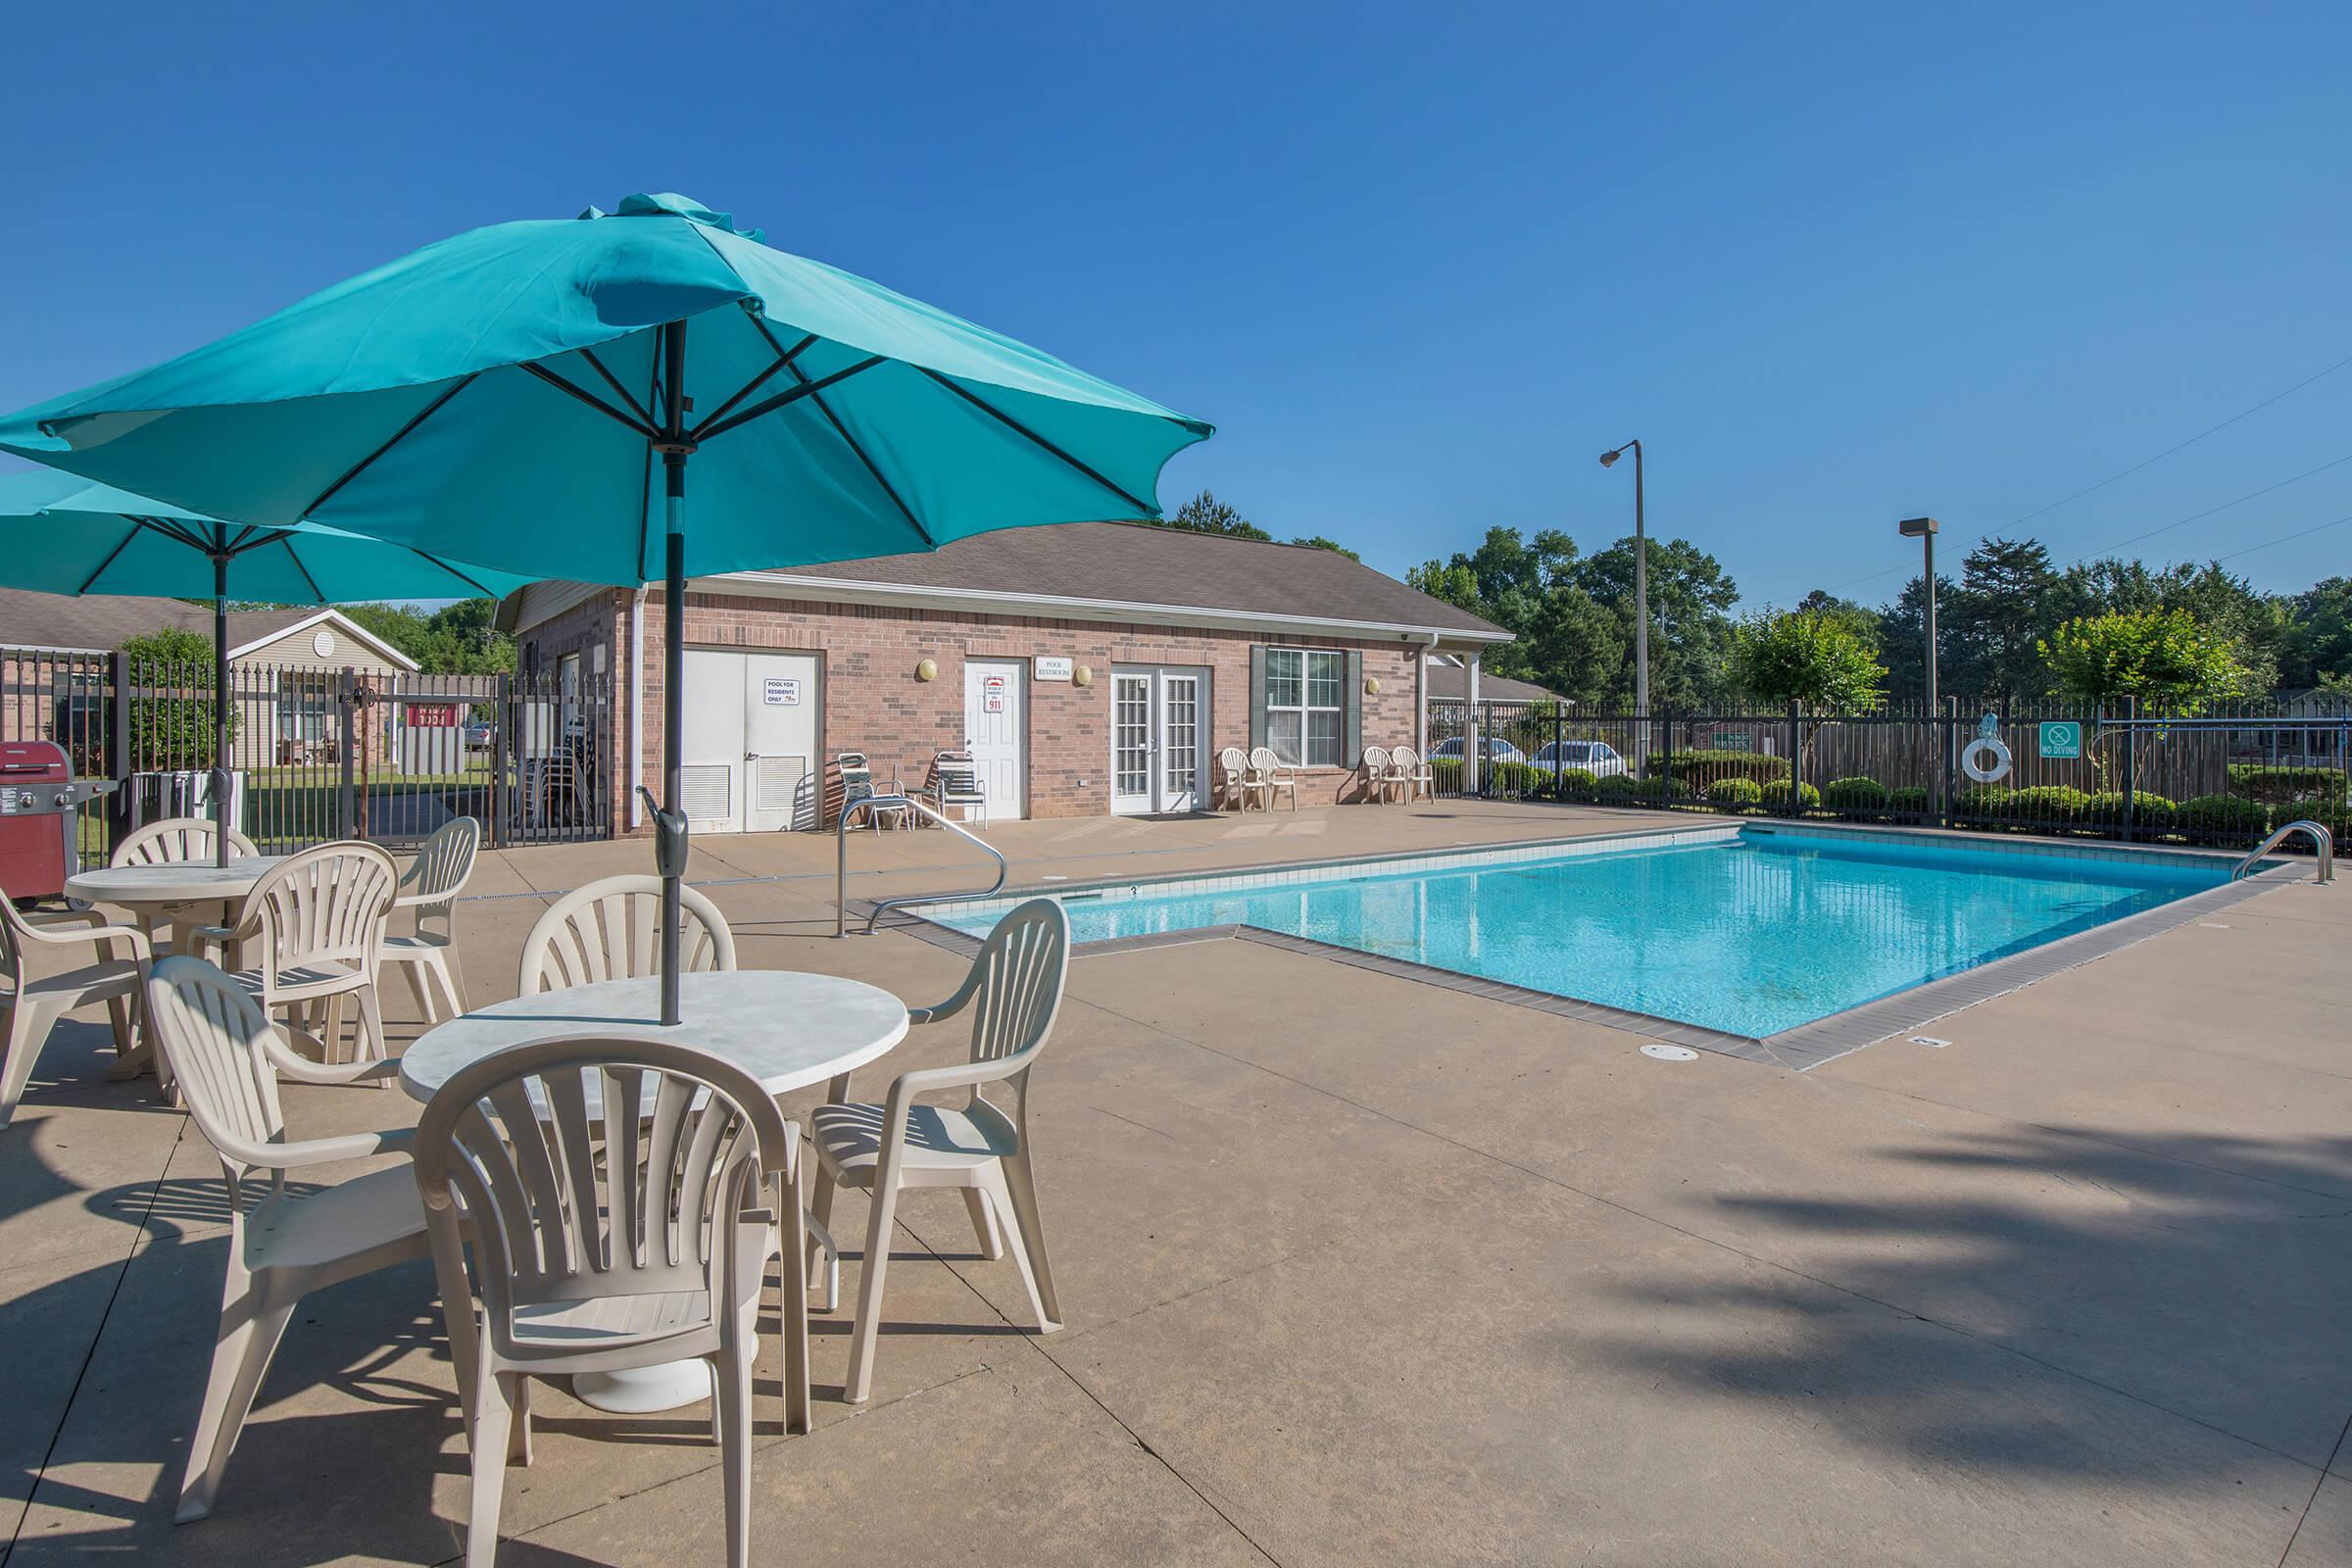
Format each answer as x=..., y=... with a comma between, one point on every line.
x=874, y=704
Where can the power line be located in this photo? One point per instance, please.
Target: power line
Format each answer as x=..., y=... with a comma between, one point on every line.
x=1889, y=571
x=2198, y=516
x=2303, y=533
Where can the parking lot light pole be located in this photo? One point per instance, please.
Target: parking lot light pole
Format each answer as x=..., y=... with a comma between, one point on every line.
x=1641, y=580
x=1924, y=529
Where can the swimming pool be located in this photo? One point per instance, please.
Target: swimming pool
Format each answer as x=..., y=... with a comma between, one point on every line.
x=1749, y=930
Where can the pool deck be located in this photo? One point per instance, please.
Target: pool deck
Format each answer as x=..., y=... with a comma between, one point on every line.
x=1357, y=1270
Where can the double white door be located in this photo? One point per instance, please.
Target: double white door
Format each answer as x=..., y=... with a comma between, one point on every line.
x=1158, y=739
x=751, y=741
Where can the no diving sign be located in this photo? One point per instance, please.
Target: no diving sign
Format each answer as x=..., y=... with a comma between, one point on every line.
x=2061, y=739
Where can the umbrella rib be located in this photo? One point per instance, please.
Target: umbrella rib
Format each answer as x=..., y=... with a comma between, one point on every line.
x=783, y=361
x=1144, y=507
x=840, y=429
x=360, y=466
x=112, y=555
x=707, y=430
x=644, y=415
x=452, y=571
x=295, y=556
x=586, y=396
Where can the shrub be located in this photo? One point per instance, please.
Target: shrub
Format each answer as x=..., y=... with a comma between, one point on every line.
x=1576, y=781
x=1776, y=797
x=2335, y=818
x=2104, y=809
x=1908, y=798
x=171, y=721
x=2228, y=818
x=1736, y=795
x=2043, y=806
x=1856, y=796
x=1698, y=769
x=1617, y=786
x=2273, y=783
x=1982, y=803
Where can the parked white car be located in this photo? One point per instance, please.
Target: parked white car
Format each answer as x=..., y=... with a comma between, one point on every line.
x=1497, y=750
x=1596, y=758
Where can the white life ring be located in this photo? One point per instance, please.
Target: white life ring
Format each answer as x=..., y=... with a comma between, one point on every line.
x=1991, y=772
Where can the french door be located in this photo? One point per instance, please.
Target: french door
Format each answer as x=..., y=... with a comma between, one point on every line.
x=1158, y=739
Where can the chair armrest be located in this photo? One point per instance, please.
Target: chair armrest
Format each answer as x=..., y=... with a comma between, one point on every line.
x=291, y=1064
x=53, y=933
x=967, y=1075
x=329, y=1150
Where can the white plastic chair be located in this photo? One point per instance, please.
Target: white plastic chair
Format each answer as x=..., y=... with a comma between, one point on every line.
x=1273, y=775
x=30, y=1007
x=1234, y=763
x=227, y=1057
x=1378, y=780
x=1410, y=772
x=603, y=1243
x=173, y=840
x=1016, y=981
x=432, y=882
x=318, y=919
x=612, y=930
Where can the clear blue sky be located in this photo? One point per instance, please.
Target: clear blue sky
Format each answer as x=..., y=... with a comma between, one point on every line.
x=1419, y=264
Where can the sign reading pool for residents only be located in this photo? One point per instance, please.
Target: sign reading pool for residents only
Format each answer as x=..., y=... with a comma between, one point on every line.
x=2061, y=739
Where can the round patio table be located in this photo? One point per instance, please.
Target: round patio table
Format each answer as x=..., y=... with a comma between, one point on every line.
x=153, y=892
x=785, y=1029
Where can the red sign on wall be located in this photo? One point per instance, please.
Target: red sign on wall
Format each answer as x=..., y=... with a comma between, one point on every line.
x=433, y=715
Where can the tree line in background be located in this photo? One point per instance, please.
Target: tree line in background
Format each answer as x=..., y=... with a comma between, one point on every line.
x=2012, y=627
x=457, y=639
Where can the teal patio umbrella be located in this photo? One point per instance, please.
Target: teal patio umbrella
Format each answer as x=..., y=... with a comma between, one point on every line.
x=509, y=396
x=62, y=534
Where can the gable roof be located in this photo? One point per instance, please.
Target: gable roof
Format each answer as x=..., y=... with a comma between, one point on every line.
x=1450, y=682
x=99, y=624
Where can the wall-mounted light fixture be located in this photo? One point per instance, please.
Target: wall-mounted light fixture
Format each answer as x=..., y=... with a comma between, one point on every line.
x=1371, y=685
x=926, y=669
x=1083, y=676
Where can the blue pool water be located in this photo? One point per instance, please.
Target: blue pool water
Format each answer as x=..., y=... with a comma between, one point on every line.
x=1751, y=931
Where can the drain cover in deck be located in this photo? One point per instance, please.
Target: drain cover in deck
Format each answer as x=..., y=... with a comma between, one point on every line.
x=1670, y=1052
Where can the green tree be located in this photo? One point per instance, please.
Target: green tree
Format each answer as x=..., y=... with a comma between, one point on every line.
x=1993, y=623
x=1205, y=514
x=2162, y=658
x=172, y=717
x=458, y=639
x=1823, y=663
x=1317, y=541
x=1691, y=600
x=2318, y=642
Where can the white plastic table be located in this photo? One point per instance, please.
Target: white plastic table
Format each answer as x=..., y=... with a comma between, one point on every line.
x=787, y=1029
x=150, y=892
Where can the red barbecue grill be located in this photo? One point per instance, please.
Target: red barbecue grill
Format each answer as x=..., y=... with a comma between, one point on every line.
x=40, y=808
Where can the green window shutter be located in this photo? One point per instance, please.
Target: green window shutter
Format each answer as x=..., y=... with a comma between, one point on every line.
x=1258, y=697
x=1354, y=729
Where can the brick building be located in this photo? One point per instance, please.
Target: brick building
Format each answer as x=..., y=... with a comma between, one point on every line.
x=1092, y=668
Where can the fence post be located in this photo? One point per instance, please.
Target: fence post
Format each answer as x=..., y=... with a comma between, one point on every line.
x=1796, y=764
x=501, y=714
x=2131, y=769
x=117, y=740
x=1559, y=764
x=347, y=698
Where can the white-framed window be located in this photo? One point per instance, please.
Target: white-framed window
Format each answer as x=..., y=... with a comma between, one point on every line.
x=1306, y=711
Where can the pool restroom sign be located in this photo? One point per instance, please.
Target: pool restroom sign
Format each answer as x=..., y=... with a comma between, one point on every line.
x=1046, y=668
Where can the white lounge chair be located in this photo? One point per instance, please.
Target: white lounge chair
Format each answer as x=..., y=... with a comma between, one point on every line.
x=603, y=1242
x=29, y=1007
x=431, y=884
x=955, y=781
x=1014, y=991
x=227, y=1057
x=1273, y=775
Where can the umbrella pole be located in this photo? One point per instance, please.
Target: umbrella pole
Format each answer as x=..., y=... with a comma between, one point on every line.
x=220, y=826
x=669, y=827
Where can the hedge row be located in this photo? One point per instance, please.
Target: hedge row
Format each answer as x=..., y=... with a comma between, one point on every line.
x=2275, y=783
x=1701, y=770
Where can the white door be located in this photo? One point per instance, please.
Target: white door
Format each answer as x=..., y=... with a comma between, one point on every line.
x=995, y=726
x=751, y=741
x=1158, y=739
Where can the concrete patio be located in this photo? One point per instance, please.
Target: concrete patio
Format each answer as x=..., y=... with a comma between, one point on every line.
x=1357, y=1270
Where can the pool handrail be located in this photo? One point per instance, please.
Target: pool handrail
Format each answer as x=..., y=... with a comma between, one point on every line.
x=840, y=868
x=2322, y=839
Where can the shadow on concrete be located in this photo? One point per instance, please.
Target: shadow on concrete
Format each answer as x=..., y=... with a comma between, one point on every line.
x=2154, y=1285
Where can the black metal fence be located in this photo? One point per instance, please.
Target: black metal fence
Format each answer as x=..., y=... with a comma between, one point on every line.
x=318, y=754
x=2052, y=769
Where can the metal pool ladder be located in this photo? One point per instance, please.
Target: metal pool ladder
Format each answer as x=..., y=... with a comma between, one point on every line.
x=840, y=868
x=2322, y=840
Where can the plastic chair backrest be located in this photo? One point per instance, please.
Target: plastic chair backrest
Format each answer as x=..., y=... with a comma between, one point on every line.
x=1376, y=759
x=1264, y=759
x=612, y=930
x=212, y=1032
x=515, y=1140
x=329, y=905
x=444, y=865
x=1020, y=972
x=173, y=840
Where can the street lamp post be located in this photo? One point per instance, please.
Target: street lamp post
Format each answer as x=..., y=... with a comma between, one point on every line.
x=1641, y=581
x=1924, y=529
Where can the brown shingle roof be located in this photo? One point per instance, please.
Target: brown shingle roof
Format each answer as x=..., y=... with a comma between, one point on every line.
x=1127, y=562
x=105, y=621
x=1449, y=682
